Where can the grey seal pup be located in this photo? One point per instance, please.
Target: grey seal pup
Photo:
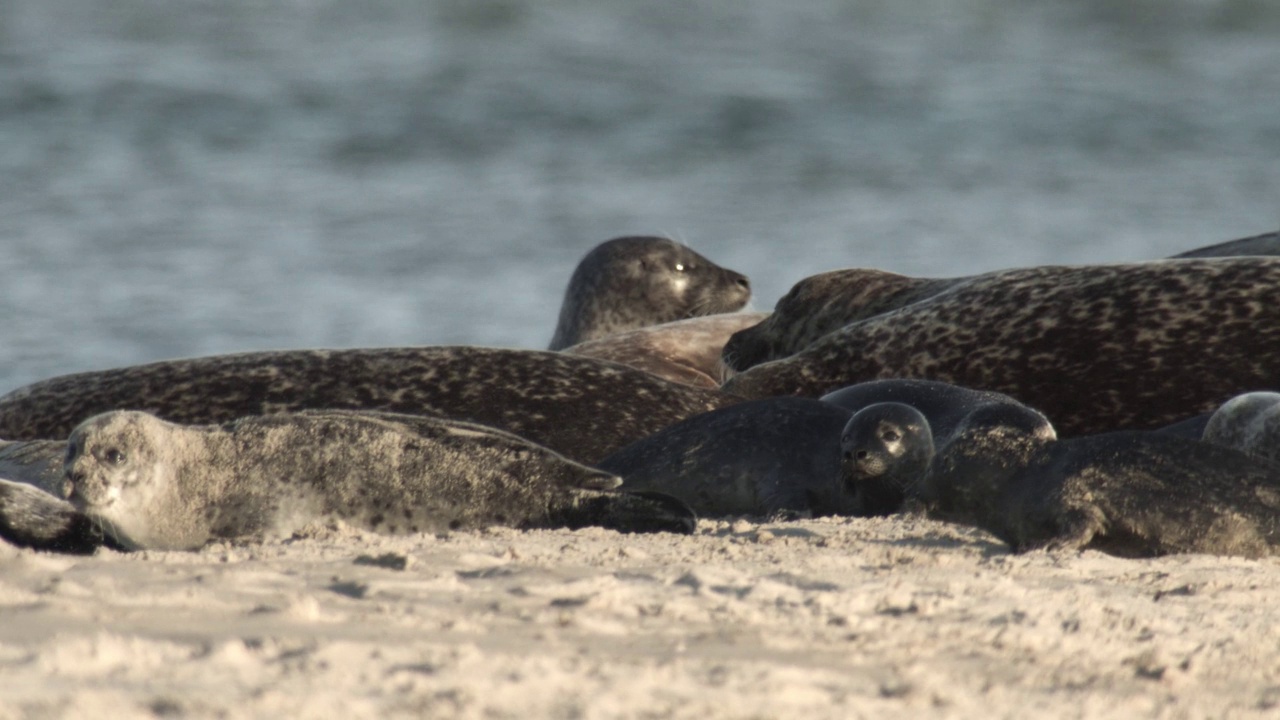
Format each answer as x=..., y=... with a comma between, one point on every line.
x=152, y=484
x=685, y=351
x=580, y=407
x=632, y=282
x=766, y=457
x=1150, y=343
x=1249, y=422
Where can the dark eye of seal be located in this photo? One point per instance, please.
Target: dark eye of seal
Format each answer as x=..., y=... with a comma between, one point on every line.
x=114, y=457
x=890, y=436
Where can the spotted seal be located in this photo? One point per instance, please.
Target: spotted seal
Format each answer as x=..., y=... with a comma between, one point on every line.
x=823, y=303
x=1151, y=343
x=632, y=282
x=152, y=484
x=684, y=351
x=766, y=457
x=1249, y=422
x=580, y=407
x=891, y=436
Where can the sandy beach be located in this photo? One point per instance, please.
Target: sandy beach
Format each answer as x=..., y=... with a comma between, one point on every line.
x=835, y=617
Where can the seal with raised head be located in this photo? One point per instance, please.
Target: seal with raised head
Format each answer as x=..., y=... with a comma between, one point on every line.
x=632, y=282
x=823, y=303
x=891, y=437
x=1150, y=343
x=766, y=457
x=684, y=351
x=1249, y=422
x=151, y=484
x=580, y=407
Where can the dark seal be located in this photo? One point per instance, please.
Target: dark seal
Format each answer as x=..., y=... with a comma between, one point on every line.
x=580, y=407
x=632, y=282
x=684, y=351
x=152, y=484
x=1264, y=244
x=1148, y=344
x=890, y=439
x=1131, y=494
x=767, y=457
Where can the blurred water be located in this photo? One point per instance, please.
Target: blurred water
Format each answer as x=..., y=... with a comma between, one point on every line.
x=183, y=177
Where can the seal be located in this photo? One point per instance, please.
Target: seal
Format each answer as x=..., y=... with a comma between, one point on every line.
x=1264, y=244
x=890, y=439
x=151, y=484
x=32, y=518
x=1130, y=494
x=1150, y=343
x=685, y=351
x=632, y=282
x=34, y=462
x=824, y=303
x=1249, y=422
x=580, y=407
x=766, y=457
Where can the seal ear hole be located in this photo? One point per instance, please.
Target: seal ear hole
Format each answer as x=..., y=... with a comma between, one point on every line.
x=113, y=456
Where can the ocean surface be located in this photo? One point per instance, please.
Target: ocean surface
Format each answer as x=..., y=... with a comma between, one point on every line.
x=186, y=177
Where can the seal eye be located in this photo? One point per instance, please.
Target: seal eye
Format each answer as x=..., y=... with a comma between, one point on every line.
x=114, y=457
x=891, y=436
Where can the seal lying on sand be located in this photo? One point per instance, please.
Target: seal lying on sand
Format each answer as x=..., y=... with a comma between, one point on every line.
x=686, y=351
x=756, y=458
x=632, y=282
x=1132, y=494
x=824, y=303
x=1147, y=343
x=580, y=407
x=1250, y=423
x=151, y=484
x=926, y=412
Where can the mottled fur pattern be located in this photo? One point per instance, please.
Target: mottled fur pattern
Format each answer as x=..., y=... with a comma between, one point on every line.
x=1250, y=423
x=632, y=282
x=686, y=351
x=158, y=485
x=581, y=407
x=1131, y=494
x=1096, y=348
x=824, y=303
x=779, y=455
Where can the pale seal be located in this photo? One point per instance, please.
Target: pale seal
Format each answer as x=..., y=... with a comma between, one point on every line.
x=823, y=303
x=767, y=457
x=1149, y=343
x=890, y=439
x=632, y=282
x=1249, y=422
x=152, y=484
x=684, y=351
x=580, y=407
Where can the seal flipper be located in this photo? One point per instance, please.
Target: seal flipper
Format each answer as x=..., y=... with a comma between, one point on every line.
x=32, y=518
x=641, y=511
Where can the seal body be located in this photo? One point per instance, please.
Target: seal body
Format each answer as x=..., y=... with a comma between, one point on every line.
x=632, y=282
x=1249, y=422
x=33, y=518
x=34, y=462
x=158, y=485
x=779, y=455
x=1150, y=343
x=824, y=303
x=1264, y=244
x=685, y=351
x=580, y=407
x=1132, y=494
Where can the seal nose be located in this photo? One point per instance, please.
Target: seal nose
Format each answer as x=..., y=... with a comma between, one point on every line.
x=863, y=454
x=743, y=283
x=71, y=484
